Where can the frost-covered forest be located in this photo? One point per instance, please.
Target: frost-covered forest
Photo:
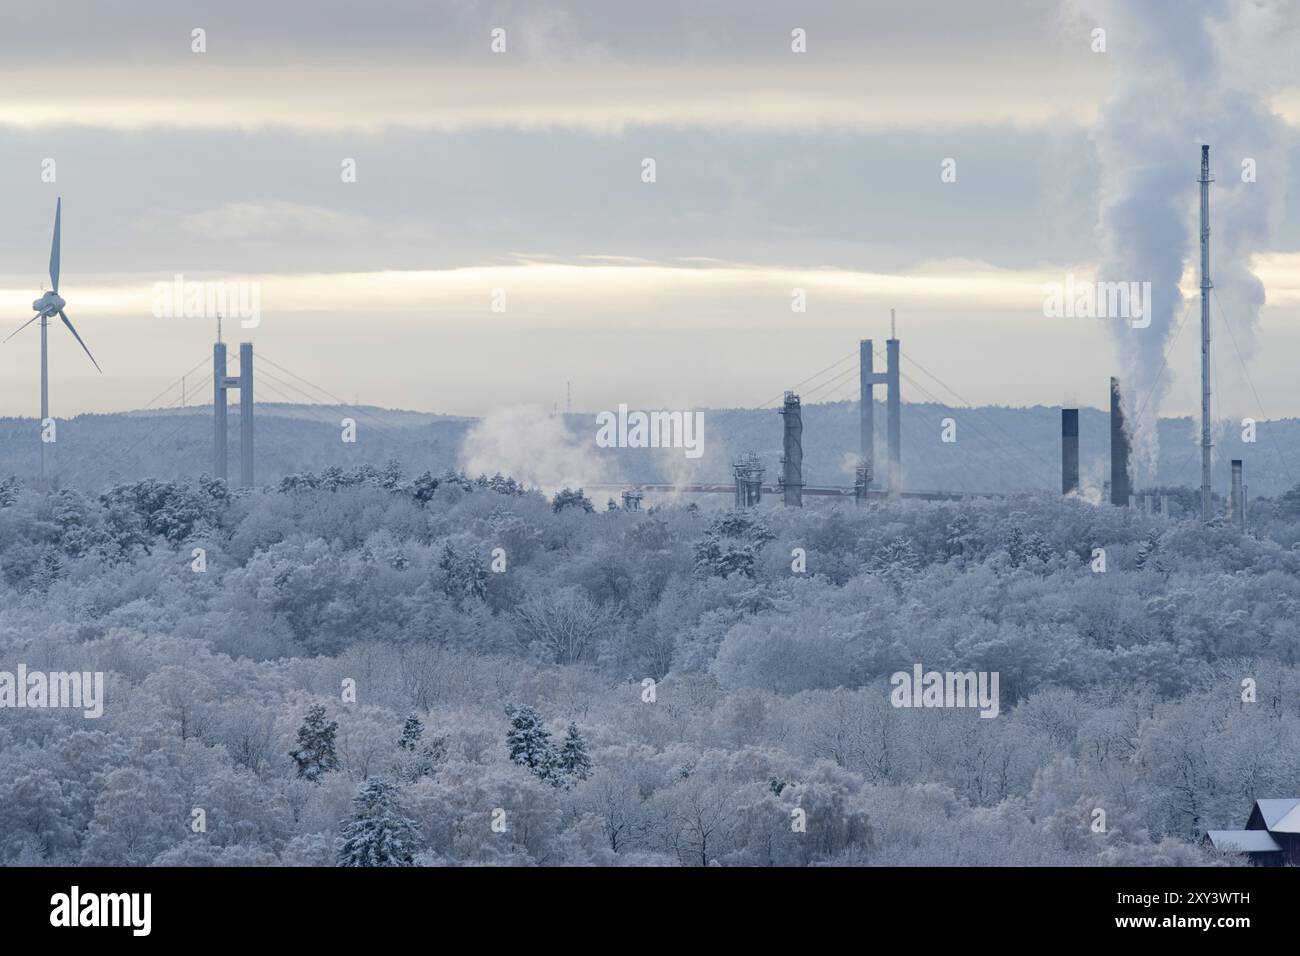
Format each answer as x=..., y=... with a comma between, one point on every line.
x=370, y=668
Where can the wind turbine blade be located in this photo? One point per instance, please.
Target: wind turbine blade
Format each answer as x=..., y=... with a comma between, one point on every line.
x=79, y=342
x=23, y=326
x=54, y=249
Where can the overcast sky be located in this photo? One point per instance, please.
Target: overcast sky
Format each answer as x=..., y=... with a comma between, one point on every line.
x=521, y=171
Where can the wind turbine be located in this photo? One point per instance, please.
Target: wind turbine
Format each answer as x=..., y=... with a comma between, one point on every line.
x=48, y=305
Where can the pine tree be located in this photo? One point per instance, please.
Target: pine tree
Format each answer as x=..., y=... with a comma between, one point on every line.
x=573, y=761
x=315, y=754
x=1036, y=547
x=378, y=834
x=731, y=545
x=529, y=742
x=390, y=479
x=423, y=487
x=1149, y=553
x=568, y=498
x=9, y=489
x=416, y=756
x=412, y=731
x=464, y=576
x=960, y=536
x=1016, y=546
x=48, y=570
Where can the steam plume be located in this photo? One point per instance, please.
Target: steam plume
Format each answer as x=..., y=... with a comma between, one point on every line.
x=1184, y=74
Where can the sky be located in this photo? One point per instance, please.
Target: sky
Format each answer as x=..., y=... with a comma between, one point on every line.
x=500, y=244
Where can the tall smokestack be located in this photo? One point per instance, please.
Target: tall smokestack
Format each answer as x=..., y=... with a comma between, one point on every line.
x=1205, y=333
x=792, y=459
x=1237, y=499
x=1069, y=450
x=1119, y=450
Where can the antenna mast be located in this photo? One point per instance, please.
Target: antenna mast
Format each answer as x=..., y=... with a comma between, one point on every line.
x=1206, y=503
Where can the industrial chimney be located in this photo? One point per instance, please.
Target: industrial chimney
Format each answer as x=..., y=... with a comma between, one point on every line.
x=1120, y=489
x=1237, y=498
x=792, y=457
x=1069, y=451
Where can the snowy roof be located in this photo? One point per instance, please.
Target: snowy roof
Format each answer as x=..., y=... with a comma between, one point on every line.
x=1281, y=816
x=1243, y=841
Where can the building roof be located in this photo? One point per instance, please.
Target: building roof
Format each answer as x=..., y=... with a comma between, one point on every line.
x=1243, y=841
x=1281, y=816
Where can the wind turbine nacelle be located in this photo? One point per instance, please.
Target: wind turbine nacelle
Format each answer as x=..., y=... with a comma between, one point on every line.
x=49, y=304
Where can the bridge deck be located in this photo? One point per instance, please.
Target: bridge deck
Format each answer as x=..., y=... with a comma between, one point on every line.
x=816, y=491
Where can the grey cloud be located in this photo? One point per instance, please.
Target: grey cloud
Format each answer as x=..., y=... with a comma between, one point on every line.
x=275, y=202
x=674, y=29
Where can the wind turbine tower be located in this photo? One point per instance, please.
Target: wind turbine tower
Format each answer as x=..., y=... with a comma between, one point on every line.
x=48, y=305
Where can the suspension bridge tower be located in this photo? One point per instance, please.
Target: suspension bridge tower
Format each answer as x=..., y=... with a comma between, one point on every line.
x=221, y=384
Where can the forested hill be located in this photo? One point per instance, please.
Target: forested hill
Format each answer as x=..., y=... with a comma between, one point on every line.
x=634, y=688
x=996, y=449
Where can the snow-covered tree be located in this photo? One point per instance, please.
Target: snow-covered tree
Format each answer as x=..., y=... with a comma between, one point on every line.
x=464, y=575
x=562, y=625
x=568, y=498
x=1149, y=552
x=529, y=742
x=9, y=488
x=316, y=753
x=418, y=757
x=379, y=833
x=572, y=761
x=731, y=545
x=412, y=731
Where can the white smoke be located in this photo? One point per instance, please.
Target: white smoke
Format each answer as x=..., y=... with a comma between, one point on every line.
x=1184, y=74
x=533, y=447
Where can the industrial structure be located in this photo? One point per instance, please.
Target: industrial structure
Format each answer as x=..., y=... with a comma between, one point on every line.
x=1120, y=487
x=1237, y=497
x=748, y=471
x=791, y=482
x=1069, y=451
